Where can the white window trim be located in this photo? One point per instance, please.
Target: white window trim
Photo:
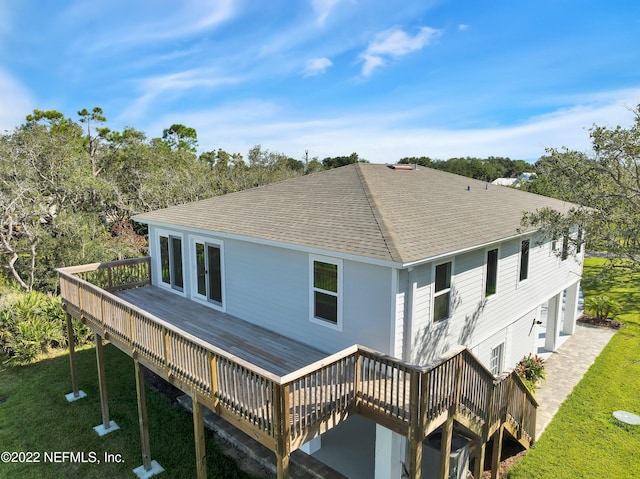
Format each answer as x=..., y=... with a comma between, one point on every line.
x=193, y=273
x=158, y=262
x=501, y=350
x=312, y=317
x=439, y=293
x=485, y=271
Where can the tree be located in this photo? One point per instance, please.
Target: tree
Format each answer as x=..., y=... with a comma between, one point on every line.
x=96, y=116
x=605, y=182
x=338, y=161
x=46, y=186
x=180, y=137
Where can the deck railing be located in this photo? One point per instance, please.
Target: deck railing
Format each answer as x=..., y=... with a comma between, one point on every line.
x=284, y=412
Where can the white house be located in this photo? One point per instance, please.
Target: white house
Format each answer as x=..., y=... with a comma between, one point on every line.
x=407, y=261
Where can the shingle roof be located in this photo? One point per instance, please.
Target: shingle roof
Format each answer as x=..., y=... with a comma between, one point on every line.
x=367, y=210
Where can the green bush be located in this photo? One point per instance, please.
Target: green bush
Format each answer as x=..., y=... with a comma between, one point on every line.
x=602, y=306
x=531, y=370
x=31, y=323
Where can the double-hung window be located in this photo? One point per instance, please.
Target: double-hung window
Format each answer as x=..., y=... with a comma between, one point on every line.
x=525, y=246
x=497, y=354
x=491, y=280
x=171, y=261
x=442, y=292
x=326, y=291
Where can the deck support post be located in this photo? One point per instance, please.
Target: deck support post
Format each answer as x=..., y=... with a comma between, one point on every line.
x=415, y=428
x=198, y=434
x=281, y=419
x=149, y=468
x=571, y=308
x=445, y=447
x=76, y=392
x=497, y=452
x=107, y=425
x=478, y=464
x=554, y=317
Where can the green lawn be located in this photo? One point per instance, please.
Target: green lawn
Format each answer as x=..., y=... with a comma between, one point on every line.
x=36, y=417
x=584, y=440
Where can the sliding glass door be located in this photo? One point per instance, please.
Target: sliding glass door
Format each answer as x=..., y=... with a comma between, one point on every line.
x=208, y=272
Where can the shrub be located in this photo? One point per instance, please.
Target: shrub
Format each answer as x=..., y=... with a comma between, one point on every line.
x=602, y=306
x=31, y=323
x=531, y=370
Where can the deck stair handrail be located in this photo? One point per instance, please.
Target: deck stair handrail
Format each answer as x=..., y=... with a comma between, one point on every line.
x=284, y=412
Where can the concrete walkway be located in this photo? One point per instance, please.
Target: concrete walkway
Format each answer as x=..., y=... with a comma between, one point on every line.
x=566, y=368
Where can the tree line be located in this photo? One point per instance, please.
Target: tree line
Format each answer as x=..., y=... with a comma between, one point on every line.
x=68, y=188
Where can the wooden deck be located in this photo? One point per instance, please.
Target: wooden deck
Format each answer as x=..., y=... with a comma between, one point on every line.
x=257, y=345
x=281, y=392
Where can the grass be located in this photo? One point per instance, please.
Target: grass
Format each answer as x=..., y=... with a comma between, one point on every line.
x=36, y=417
x=584, y=440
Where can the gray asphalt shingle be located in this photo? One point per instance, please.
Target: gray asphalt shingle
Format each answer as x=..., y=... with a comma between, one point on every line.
x=367, y=210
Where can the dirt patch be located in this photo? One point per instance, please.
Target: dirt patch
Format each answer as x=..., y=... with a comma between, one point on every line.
x=512, y=452
x=159, y=385
x=600, y=322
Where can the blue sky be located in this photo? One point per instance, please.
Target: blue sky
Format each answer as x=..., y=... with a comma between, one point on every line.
x=385, y=79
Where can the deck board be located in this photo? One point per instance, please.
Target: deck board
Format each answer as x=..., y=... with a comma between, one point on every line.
x=264, y=348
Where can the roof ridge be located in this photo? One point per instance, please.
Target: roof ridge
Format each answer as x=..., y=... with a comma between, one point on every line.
x=386, y=232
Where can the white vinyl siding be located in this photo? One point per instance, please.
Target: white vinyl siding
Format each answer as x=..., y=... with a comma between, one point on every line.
x=477, y=320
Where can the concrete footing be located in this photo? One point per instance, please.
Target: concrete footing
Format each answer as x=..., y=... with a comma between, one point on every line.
x=102, y=431
x=143, y=473
x=72, y=397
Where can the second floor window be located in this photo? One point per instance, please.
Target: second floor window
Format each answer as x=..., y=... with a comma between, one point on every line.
x=326, y=291
x=491, y=283
x=442, y=292
x=524, y=259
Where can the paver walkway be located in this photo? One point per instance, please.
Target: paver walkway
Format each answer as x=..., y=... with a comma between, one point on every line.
x=566, y=368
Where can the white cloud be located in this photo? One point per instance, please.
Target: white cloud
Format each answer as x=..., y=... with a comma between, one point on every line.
x=463, y=26
x=16, y=102
x=394, y=43
x=169, y=87
x=317, y=66
x=323, y=9
x=385, y=137
x=146, y=23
